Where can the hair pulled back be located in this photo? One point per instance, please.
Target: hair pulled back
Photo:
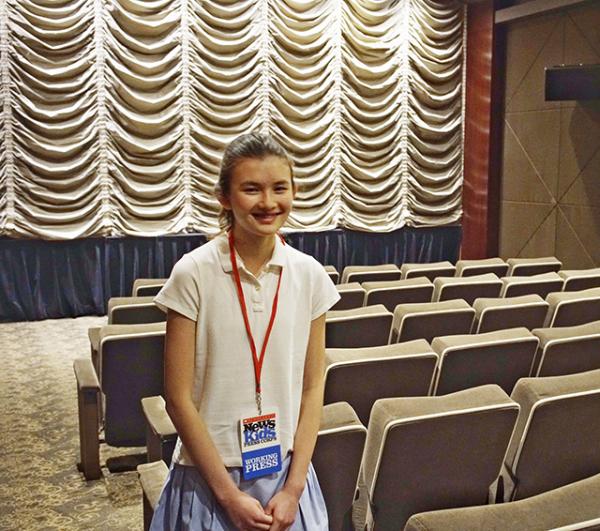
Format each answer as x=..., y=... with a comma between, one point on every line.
x=248, y=146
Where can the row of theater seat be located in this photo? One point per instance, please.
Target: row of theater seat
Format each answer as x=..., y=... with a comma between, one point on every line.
x=127, y=364
x=468, y=448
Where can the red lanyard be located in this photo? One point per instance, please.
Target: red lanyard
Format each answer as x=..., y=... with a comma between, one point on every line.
x=256, y=360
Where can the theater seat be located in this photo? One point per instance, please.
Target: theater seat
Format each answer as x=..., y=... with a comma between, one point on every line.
x=134, y=310
x=556, y=437
x=580, y=279
x=571, y=308
x=432, y=453
x=352, y=295
x=468, y=268
x=568, y=349
x=500, y=357
x=432, y=319
x=492, y=314
x=533, y=266
x=147, y=287
x=430, y=270
x=363, y=375
x=370, y=273
x=569, y=508
x=466, y=288
x=361, y=327
x=394, y=292
x=542, y=284
x=333, y=273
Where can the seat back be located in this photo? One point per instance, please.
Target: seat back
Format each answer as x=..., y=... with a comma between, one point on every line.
x=134, y=310
x=430, y=320
x=568, y=350
x=336, y=459
x=466, y=288
x=360, y=327
x=541, y=285
x=430, y=270
x=528, y=311
x=556, y=439
x=333, y=273
x=469, y=268
x=147, y=287
x=370, y=273
x=499, y=358
x=352, y=296
x=435, y=452
x=574, y=506
x=392, y=293
x=132, y=368
x=573, y=308
x=533, y=266
x=362, y=376
x=578, y=280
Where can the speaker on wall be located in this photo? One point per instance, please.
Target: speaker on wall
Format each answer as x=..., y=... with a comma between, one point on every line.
x=573, y=82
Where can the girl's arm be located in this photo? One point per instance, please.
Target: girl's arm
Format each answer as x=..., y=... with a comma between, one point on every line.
x=245, y=511
x=284, y=505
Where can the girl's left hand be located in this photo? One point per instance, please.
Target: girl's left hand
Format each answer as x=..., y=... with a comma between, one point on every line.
x=283, y=507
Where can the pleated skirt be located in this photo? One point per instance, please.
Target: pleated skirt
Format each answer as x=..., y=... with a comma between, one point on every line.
x=187, y=503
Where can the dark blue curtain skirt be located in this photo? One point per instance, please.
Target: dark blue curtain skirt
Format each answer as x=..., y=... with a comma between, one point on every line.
x=53, y=279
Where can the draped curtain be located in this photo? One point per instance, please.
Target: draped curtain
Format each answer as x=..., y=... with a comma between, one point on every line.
x=114, y=113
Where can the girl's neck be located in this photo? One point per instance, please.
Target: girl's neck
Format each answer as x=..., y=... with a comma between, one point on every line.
x=254, y=250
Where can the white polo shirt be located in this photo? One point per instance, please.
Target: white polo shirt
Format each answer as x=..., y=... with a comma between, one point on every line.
x=201, y=287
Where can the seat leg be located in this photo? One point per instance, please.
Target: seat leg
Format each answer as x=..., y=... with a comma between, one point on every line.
x=89, y=441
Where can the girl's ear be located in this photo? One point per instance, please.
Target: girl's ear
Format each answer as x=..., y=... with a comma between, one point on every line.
x=224, y=200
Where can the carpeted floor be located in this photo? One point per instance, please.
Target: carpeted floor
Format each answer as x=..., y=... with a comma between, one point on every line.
x=40, y=487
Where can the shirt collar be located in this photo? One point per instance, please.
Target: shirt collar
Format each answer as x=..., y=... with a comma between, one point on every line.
x=277, y=259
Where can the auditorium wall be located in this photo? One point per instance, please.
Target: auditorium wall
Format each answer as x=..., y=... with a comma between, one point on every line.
x=550, y=199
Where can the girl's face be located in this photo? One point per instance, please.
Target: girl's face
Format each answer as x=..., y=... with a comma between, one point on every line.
x=260, y=195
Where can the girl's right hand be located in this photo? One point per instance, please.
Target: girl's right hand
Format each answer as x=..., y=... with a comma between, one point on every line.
x=247, y=513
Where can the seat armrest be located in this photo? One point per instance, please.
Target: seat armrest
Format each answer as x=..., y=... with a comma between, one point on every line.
x=158, y=419
x=85, y=374
x=152, y=478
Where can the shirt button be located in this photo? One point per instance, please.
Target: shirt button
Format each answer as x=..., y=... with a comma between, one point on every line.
x=258, y=287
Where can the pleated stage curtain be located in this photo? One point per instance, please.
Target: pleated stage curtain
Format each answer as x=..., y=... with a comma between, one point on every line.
x=114, y=113
x=53, y=279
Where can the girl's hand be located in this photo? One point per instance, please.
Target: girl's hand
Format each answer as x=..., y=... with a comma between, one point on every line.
x=247, y=513
x=284, y=508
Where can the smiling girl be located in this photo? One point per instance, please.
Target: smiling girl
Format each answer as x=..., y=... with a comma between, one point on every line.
x=244, y=360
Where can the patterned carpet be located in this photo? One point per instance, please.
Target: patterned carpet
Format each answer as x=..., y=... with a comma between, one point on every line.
x=40, y=487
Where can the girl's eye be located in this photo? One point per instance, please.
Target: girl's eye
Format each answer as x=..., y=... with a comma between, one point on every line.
x=250, y=190
x=281, y=188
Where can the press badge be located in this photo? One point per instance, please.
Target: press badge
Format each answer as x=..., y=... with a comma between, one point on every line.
x=261, y=450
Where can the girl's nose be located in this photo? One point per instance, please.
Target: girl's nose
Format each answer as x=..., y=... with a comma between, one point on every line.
x=268, y=200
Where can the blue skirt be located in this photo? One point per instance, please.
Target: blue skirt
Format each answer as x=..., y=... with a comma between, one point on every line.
x=187, y=503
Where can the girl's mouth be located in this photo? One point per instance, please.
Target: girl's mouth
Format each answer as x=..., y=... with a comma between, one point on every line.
x=266, y=218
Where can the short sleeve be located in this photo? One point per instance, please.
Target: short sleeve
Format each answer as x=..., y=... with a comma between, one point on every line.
x=324, y=292
x=181, y=292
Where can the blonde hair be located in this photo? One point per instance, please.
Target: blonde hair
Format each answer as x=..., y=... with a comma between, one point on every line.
x=248, y=146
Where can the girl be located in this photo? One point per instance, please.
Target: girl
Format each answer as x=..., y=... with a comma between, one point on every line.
x=244, y=360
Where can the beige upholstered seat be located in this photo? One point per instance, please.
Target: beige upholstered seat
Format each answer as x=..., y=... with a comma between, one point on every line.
x=130, y=367
x=134, y=310
x=532, y=266
x=568, y=349
x=541, y=285
x=467, y=268
x=556, y=437
x=574, y=505
x=466, y=288
x=580, y=279
x=500, y=358
x=433, y=453
x=431, y=270
x=498, y=313
x=370, y=273
x=333, y=273
x=360, y=327
x=393, y=292
x=571, y=308
x=361, y=376
x=337, y=457
x=147, y=287
x=432, y=319
x=352, y=296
